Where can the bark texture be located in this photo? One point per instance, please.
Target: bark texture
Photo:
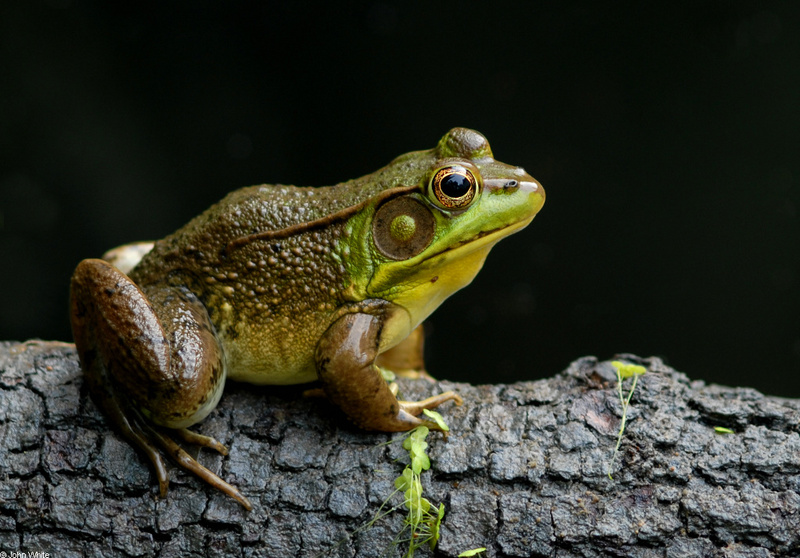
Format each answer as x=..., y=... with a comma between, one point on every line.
x=523, y=472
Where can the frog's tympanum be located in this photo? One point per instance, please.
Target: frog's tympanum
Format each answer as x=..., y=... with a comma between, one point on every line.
x=285, y=285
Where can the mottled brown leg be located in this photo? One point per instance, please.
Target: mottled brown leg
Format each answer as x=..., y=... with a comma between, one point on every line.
x=89, y=323
x=132, y=364
x=346, y=366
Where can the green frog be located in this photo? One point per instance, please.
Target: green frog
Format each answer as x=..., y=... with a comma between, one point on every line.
x=285, y=285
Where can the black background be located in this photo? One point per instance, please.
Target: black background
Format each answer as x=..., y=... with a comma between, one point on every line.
x=667, y=140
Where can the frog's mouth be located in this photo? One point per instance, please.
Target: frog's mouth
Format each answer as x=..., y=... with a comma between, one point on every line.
x=481, y=241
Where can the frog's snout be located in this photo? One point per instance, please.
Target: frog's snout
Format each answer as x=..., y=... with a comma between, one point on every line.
x=525, y=184
x=530, y=186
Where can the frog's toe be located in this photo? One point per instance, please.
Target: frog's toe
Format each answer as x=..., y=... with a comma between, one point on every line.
x=141, y=438
x=199, y=440
x=190, y=463
x=416, y=407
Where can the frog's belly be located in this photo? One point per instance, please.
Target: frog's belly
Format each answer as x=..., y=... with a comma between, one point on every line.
x=262, y=369
x=270, y=360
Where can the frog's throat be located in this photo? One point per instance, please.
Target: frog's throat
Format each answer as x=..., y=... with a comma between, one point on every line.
x=322, y=222
x=422, y=293
x=417, y=272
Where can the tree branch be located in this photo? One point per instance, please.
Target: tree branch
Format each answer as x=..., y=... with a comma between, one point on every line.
x=523, y=472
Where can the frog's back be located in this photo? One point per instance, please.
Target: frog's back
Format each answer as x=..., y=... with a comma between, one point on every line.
x=244, y=212
x=269, y=207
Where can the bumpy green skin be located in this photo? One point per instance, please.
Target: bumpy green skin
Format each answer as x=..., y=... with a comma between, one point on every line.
x=271, y=300
x=280, y=285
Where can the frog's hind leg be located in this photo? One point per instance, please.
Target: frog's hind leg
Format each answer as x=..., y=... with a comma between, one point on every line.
x=126, y=419
x=151, y=361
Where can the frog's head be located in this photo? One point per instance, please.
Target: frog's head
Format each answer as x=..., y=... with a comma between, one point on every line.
x=427, y=233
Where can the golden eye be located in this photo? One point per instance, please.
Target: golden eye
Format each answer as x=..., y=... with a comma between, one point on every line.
x=454, y=187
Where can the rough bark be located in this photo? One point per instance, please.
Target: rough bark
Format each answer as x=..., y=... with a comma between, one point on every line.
x=523, y=472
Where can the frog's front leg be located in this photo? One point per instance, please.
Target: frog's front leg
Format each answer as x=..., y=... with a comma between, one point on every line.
x=345, y=357
x=152, y=363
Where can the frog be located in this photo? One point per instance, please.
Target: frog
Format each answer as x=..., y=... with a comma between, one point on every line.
x=280, y=285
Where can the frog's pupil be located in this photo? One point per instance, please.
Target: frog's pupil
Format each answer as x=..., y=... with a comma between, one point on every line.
x=455, y=185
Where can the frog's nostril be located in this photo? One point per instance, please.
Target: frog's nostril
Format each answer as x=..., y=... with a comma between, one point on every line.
x=501, y=183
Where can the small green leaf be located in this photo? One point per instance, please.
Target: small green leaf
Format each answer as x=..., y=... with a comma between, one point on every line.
x=387, y=374
x=423, y=524
x=473, y=552
x=415, y=436
x=626, y=370
x=437, y=418
x=723, y=430
x=413, y=494
x=404, y=481
x=435, y=527
x=420, y=463
x=418, y=446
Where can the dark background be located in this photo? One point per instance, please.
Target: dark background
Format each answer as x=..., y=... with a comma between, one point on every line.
x=667, y=140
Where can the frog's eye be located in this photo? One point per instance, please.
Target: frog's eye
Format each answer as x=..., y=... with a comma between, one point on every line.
x=454, y=187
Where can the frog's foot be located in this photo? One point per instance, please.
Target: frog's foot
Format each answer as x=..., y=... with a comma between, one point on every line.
x=416, y=407
x=189, y=463
x=133, y=431
x=131, y=345
x=147, y=438
x=127, y=256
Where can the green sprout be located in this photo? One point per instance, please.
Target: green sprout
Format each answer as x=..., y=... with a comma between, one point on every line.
x=437, y=418
x=624, y=371
x=723, y=430
x=423, y=519
x=473, y=552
